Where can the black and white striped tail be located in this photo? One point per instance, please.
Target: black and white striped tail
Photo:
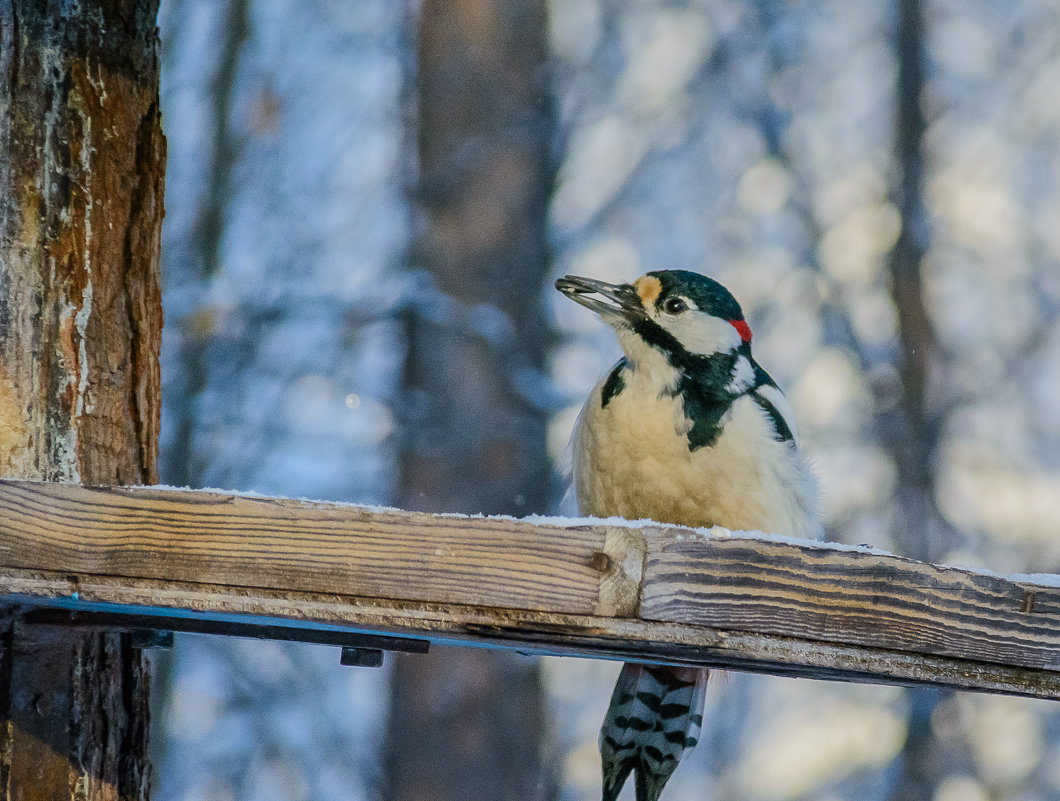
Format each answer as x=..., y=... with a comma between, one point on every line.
x=655, y=716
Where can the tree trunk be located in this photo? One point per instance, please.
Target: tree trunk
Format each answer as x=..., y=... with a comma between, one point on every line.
x=910, y=430
x=464, y=723
x=81, y=173
x=912, y=433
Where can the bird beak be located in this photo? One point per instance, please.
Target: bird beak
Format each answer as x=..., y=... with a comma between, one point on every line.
x=607, y=300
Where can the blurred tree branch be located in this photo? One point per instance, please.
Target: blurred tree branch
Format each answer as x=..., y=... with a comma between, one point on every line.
x=181, y=465
x=909, y=430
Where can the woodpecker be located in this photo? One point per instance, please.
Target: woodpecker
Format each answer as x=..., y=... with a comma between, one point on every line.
x=688, y=429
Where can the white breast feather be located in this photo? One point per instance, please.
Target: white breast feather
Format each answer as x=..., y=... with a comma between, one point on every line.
x=631, y=459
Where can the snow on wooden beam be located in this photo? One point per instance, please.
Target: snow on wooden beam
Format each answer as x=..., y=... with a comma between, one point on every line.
x=253, y=566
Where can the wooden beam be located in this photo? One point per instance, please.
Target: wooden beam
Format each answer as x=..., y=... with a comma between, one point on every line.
x=279, y=544
x=853, y=597
x=652, y=593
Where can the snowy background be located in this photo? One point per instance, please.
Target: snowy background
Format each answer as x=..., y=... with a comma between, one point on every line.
x=753, y=141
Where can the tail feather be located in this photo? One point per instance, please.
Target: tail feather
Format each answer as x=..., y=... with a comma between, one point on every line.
x=655, y=716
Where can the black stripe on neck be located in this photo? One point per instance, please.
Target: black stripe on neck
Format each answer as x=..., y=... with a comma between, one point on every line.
x=702, y=382
x=615, y=383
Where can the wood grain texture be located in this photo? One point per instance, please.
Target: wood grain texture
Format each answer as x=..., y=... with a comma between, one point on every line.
x=664, y=595
x=214, y=608
x=850, y=597
x=280, y=544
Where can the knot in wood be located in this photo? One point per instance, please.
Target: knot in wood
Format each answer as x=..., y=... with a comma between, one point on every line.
x=600, y=561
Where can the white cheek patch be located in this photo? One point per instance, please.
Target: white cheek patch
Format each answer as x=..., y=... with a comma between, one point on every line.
x=743, y=376
x=701, y=333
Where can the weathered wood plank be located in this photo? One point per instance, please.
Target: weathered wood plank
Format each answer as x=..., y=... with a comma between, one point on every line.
x=850, y=597
x=281, y=544
x=658, y=594
x=214, y=609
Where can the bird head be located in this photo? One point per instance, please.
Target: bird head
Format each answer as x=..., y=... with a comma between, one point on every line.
x=684, y=315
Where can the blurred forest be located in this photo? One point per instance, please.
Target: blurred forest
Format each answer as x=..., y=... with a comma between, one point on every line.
x=367, y=203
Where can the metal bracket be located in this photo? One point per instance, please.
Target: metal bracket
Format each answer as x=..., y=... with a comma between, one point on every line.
x=156, y=631
x=361, y=657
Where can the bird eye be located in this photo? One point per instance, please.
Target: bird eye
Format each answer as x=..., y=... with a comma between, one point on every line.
x=674, y=305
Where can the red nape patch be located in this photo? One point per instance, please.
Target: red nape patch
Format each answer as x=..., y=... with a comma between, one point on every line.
x=743, y=328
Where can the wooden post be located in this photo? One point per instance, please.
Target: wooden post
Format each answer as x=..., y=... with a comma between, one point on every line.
x=82, y=160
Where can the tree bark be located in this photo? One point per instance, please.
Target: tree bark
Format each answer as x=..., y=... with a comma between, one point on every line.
x=82, y=161
x=463, y=723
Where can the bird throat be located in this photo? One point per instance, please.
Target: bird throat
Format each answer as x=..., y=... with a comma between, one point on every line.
x=706, y=400
x=704, y=384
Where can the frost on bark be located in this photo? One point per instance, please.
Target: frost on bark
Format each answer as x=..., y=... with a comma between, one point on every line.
x=82, y=160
